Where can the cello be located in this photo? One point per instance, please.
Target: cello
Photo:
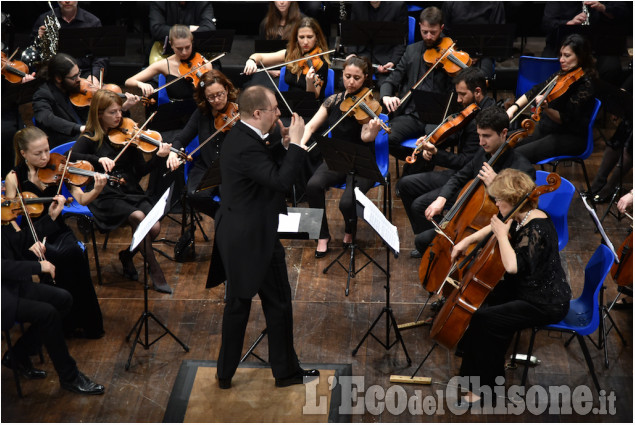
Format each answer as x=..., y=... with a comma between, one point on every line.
x=484, y=273
x=622, y=271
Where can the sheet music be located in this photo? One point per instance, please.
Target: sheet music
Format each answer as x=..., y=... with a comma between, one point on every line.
x=153, y=216
x=289, y=223
x=598, y=224
x=377, y=221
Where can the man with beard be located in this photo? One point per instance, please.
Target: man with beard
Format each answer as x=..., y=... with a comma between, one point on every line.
x=409, y=70
x=53, y=111
x=247, y=251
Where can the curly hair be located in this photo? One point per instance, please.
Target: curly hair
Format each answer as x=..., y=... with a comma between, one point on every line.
x=512, y=186
x=209, y=78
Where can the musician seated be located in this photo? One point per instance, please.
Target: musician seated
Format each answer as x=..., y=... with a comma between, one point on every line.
x=40, y=305
x=163, y=15
x=564, y=122
x=418, y=190
x=71, y=16
x=534, y=290
x=492, y=126
x=52, y=108
x=409, y=70
x=306, y=39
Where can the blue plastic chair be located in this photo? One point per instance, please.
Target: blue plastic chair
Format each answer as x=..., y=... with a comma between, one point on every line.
x=533, y=70
x=584, y=155
x=584, y=312
x=328, y=90
x=85, y=220
x=162, y=95
x=412, y=23
x=383, y=161
x=557, y=204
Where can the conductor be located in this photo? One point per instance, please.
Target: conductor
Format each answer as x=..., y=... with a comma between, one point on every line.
x=247, y=251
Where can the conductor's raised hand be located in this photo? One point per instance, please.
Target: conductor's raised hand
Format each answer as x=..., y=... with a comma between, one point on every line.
x=296, y=129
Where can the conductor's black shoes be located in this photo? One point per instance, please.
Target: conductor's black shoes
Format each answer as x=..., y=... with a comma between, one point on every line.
x=297, y=378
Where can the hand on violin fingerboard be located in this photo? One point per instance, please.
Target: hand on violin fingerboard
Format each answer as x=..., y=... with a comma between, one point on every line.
x=164, y=150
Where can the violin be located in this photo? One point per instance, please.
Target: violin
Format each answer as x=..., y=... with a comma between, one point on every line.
x=195, y=61
x=315, y=62
x=146, y=141
x=13, y=71
x=293, y=61
x=77, y=173
x=452, y=61
x=622, y=272
x=557, y=88
x=449, y=126
x=225, y=116
x=87, y=90
x=12, y=208
x=485, y=272
x=363, y=107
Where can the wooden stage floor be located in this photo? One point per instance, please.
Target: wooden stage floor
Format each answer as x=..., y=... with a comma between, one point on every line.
x=328, y=326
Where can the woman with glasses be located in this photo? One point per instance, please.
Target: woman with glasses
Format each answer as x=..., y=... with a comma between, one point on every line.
x=215, y=99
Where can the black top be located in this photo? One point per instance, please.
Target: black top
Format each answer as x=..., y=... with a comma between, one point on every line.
x=349, y=129
x=540, y=278
x=203, y=126
x=182, y=89
x=298, y=83
x=164, y=14
x=575, y=107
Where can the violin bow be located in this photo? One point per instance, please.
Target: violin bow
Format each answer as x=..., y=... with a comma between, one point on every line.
x=10, y=57
x=278, y=90
x=214, y=134
x=344, y=115
x=68, y=159
x=187, y=73
x=546, y=90
x=139, y=130
x=290, y=62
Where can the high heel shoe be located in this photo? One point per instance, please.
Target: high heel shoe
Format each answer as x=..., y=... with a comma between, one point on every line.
x=322, y=254
x=158, y=281
x=129, y=269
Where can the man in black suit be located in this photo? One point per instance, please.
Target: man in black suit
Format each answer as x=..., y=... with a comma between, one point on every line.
x=38, y=304
x=409, y=70
x=247, y=251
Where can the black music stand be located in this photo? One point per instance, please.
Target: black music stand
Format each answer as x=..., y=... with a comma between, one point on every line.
x=370, y=34
x=157, y=212
x=261, y=45
x=390, y=236
x=485, y=40
x=431, y=106
x=173, y=115
x=309, y=228
x=351, y=159
x=605, y=40
x=93, y=42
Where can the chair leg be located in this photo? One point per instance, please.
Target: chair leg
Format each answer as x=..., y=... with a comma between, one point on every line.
x=512, y=363
x=14, y=364
x=95, y=251
x=106, y=240
x=529, y=351
x=589, y=361
x=586, y=176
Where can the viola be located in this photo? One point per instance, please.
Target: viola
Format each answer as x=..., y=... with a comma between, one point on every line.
x=12, y=208
x=13, y=70
x=146, y=141
x=449, y=126
x=363, y=107
x=76, y=173
x=225, y=116
x=622, y=272
x=452, y=61
x=315, y=62
x=195, y=61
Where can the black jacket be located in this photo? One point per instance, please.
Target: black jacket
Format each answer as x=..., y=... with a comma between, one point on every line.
x=54, y=114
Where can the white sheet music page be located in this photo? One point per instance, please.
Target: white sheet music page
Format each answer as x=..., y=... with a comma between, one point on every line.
x=378, y=221
x=289, y=223
x=598, y=224
x=146, y=224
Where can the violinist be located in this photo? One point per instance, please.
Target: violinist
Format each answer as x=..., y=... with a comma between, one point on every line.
x=356, y=76
x=492, y=126
x=181, y=41
x=418, y=190
x=215, y=98
x=52, y=108
x=306, y=39
x=62, y=249
x=409, y=70
x=124, y=204
x=562, y=129
x=534, y=290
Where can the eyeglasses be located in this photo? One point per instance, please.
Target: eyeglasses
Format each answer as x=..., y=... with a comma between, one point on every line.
x=219, y=96
x=73, y=77
x=269, y=110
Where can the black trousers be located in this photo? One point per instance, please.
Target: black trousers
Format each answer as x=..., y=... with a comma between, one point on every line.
x=43, y=307
x=542, y=145
x=492, y=328
x=322, y=179
x=201, y=201
x=275, y=295
x=404, y=127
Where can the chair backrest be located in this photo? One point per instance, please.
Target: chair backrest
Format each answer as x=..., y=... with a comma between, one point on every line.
x=533, y=70
x=589, y=144
x=412, y=23
x=188, y=164
x=584, y=314
x=282, y=85
x=162, y=95
x=328, y=90
x=381, y=148
x=557, y=204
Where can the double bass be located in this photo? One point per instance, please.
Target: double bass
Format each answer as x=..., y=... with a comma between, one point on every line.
x=485, y=271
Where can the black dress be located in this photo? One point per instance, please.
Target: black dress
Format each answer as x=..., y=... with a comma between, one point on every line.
x=72, y=270
x=537, y=295
x=114, y=204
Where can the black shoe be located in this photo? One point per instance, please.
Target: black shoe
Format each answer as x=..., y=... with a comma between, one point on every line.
x=415, y=254
x=158, y=282
x=321, y=254
x=602, y=199
x=25, y=367
x=224, y=383
x=82, y=385
x=129, y=269
x=297, y=378
x=436, y=306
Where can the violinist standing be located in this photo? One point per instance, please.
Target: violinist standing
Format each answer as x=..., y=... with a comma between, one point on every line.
x=409, y=70
x=247, y=250
x=534, y=290
x=215, y=98
x=62, y=249
x=563, y=125
x=52, y=108
x=127, y=203
x=418, y=190
x=356, y=76
x=306, y=39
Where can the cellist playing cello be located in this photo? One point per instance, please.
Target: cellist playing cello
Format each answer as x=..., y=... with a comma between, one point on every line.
x=533, y=292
